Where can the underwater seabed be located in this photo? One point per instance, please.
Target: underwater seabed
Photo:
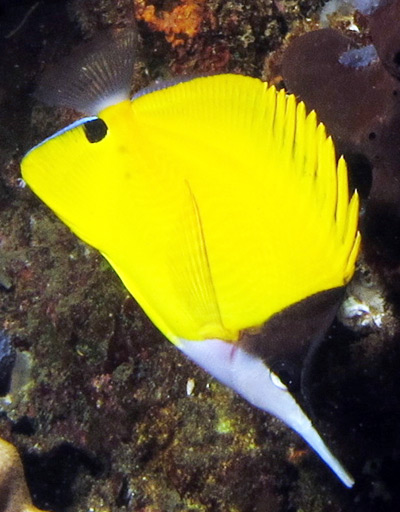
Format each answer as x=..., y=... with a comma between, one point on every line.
x=106, y=414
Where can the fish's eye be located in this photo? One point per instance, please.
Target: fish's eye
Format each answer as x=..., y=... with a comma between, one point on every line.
x=95, y=130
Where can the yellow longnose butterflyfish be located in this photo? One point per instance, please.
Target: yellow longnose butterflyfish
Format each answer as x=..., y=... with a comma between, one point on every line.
x=221, y=205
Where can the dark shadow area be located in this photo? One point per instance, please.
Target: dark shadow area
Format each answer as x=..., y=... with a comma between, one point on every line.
x=355, y=388
x=51, y=476
x=31, y=33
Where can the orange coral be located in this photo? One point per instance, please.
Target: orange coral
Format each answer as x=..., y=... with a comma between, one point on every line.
x=182, y=22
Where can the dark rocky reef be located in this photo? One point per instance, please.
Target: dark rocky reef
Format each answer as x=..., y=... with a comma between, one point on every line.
x=113, y=418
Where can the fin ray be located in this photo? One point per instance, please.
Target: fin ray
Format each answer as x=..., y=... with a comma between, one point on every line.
x=96, y=75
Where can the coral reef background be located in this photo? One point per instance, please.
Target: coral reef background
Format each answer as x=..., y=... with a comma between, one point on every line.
x=107, y=415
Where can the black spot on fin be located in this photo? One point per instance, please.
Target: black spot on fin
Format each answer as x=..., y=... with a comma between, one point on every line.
x=96, y=75
x=95, y=130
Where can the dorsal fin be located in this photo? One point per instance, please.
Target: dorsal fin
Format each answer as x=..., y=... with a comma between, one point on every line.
x=93, y=77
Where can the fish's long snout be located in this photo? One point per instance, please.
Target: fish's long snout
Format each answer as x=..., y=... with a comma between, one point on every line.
x=253, y=380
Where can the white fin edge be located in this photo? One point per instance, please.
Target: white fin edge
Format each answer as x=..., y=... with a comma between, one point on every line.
x=252, y=379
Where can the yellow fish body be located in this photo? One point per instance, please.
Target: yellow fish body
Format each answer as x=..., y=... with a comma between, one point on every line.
x=219, y=202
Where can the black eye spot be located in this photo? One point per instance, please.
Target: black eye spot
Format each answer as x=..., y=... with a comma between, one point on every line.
x=95, y=130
